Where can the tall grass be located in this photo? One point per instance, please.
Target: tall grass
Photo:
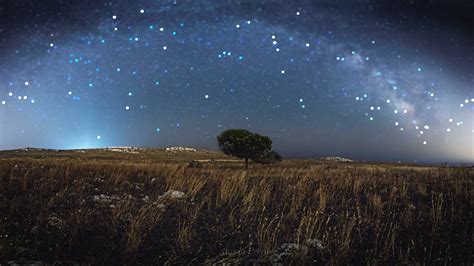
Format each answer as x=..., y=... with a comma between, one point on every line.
x=114, y=212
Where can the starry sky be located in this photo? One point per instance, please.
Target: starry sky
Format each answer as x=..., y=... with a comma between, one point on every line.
x=364, y=79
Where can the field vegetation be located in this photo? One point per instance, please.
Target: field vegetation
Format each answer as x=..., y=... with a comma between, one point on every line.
x=102, y=207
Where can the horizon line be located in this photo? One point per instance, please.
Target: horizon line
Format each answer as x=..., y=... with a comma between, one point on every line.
x=437, y=163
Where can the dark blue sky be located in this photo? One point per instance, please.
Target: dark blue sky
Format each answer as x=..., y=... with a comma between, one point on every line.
x=361, y=79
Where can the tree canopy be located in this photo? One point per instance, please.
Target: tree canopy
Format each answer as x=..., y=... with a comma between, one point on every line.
x=247, y=145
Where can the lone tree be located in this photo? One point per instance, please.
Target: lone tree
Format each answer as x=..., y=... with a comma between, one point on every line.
x=245, y=144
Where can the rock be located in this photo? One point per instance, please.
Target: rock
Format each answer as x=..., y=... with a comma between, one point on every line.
x=105, y=199
x=287, y=250
x=34, y=149
x=174, y=149
x=315, y=243
x=124, y=149
x=173, y=194
x=336, y=159
x=292, y=247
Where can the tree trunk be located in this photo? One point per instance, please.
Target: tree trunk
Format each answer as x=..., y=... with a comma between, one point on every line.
x=246, y=163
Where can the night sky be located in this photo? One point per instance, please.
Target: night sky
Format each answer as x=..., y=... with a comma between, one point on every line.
x=367, y=80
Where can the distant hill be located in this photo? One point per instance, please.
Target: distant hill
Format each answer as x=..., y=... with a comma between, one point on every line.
x=37, y=149
x=120, y=153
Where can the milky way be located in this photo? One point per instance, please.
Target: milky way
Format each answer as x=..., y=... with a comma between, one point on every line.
x=319, y=79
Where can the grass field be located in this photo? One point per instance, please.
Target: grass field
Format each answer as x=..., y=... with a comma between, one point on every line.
x=151, y=207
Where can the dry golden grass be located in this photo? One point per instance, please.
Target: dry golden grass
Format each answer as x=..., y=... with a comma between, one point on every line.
x=113, y=212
